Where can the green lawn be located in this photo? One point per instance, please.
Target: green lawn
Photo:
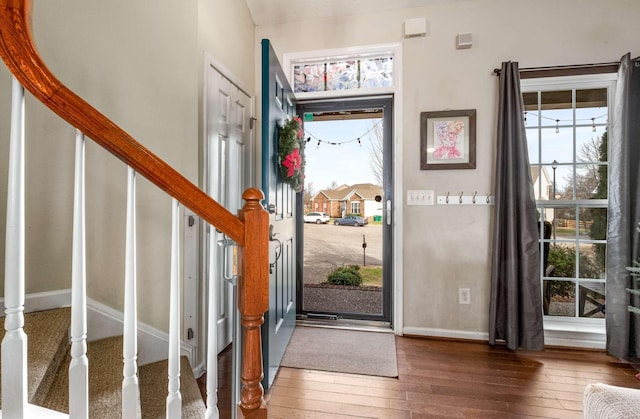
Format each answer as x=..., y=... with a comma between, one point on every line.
x=567, y=231
x=371, y=275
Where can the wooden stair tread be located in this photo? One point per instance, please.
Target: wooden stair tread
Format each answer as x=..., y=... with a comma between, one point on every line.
x=47, y=342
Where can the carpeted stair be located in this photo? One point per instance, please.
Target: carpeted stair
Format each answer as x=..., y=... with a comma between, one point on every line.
x=49, y=357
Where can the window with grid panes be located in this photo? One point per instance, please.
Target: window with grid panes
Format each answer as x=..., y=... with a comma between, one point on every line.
x=566, y=121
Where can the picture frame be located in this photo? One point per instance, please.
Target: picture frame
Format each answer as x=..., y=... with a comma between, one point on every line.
x=448, y=140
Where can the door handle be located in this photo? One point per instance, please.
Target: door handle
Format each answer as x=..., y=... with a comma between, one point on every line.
x=388, y=212
x=229, y=266
x=275, y=249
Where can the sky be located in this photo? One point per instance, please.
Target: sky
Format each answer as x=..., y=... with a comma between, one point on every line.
x=559, y=145
x=347, y=163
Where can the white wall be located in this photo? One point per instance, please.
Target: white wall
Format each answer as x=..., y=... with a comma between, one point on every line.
x=226, y=32
x=372, y=208
x=141, y=64
x=446, y=248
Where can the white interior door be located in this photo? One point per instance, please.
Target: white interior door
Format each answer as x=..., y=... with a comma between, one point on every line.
x=228, y=151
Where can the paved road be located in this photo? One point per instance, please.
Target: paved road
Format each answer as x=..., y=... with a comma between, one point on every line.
x=327, y=246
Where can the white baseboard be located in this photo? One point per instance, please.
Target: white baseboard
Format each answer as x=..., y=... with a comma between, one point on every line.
x=153, y=344
x=47, y=300
x=562, y=338
x=575, y=339
x=104, y=322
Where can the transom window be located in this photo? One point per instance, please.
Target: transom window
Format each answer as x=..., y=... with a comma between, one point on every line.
x=567, y=123
x=357, y=73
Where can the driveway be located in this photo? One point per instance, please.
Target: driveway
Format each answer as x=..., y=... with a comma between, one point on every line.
x=328, y=245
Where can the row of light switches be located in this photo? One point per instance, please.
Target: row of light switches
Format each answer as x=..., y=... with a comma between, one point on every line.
x=420, y=197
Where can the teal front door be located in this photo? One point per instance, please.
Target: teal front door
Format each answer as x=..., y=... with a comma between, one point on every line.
x=278, y=104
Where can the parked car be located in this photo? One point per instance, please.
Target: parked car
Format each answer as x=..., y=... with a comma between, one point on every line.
x=316, y=217
x=351, y=220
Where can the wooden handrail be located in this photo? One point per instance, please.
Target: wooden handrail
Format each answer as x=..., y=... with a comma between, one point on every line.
x=249, y=230
x=21, y=57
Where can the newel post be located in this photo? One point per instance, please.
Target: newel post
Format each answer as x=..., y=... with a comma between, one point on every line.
x=253, y=301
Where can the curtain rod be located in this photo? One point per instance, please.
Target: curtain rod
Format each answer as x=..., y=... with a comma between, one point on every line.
x=578, y=69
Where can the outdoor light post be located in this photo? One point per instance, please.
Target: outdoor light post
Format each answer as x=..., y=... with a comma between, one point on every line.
x=554, y=166
x=364, y=251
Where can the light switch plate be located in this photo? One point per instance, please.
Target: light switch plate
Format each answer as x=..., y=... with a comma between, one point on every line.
x=420, y=197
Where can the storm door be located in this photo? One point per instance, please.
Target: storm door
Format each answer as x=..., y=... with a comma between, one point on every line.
x=347, y=257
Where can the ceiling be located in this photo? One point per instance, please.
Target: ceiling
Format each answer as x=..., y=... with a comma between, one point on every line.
x=266, y=12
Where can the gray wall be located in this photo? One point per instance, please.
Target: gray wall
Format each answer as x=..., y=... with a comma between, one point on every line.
x=447, y=248
x=141, y=63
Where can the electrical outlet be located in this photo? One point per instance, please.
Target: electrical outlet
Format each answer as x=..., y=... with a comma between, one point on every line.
x=464, y=295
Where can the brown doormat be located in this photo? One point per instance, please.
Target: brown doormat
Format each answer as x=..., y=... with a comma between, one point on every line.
x=338, y=350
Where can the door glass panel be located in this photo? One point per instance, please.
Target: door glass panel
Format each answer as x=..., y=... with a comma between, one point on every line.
x=344, y=270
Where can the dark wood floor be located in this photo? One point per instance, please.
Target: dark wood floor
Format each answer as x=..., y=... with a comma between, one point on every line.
x=440, y=378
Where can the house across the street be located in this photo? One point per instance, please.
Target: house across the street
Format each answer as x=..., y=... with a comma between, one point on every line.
x=349, y=199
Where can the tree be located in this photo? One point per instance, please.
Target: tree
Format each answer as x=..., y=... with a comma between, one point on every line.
x=588, y=177
x=333, y=186
x=309, y=192
x=376, y=152
x=588, y=180
x=598, y=230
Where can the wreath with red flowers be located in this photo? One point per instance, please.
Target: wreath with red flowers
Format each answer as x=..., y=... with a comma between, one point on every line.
x=291, y=153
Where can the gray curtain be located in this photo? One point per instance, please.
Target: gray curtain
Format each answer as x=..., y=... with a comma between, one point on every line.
x=516, y=301
x=623, y=329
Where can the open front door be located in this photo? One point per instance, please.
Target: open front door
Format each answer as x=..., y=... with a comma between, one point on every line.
x=278, y=104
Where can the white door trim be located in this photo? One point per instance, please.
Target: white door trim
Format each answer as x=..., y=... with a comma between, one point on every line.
x=394, y=49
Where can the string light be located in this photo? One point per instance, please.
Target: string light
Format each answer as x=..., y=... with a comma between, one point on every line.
x=338, y=143
x=557, y=121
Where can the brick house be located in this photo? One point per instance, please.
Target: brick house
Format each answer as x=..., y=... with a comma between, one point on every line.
x=349, y=199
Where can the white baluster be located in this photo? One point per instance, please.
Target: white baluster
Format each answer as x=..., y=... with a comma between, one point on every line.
x=231, y=275
x=14, y=344
x=130, y=388
x=237, y=355
x=212, y=331
x=174, y=399
x=79, y=367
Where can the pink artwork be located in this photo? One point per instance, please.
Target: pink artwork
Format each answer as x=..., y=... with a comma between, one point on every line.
x=448, y=136
x=448, y=140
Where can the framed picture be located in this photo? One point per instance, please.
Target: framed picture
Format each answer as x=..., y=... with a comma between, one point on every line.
x=448, y=140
